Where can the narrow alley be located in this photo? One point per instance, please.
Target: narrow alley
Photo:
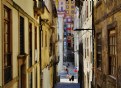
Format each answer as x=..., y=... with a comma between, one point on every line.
x=60, y=43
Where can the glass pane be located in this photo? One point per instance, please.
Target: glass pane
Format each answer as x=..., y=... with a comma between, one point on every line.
x=113, y=40
x=5, y=14
x=110, y=40
x=115, y=50
x=6, y=27
x=110, y=49
x=6, y=48
x=6, y=38
x=5, y=60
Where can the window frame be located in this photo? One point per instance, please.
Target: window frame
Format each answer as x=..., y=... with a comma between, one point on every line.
x=112, y=55
x=22, y=53
x=99, y=53
x=8, y=23
x=30, y=44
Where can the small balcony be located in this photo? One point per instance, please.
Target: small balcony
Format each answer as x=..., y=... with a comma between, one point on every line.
x=39, y=7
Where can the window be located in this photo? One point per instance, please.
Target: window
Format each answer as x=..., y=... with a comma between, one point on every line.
x=90, y=5
x=61, y=3
x=67, y=11
x=87, y=9
x=45, y=38
x=30, y=44
x=112, y=52
x=87, y=46
x=22, y=36
x=67, y=7
x=7, y=46
x=35, y=37
x=72, y=1
x=61, y=8
x=72, y=11
x=67, y=1
x=72, y=7
x=99, y=50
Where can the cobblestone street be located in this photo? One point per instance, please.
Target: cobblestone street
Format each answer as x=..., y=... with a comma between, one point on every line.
x=67, y=85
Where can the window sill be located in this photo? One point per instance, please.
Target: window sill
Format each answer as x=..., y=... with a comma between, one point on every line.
x=112, y=77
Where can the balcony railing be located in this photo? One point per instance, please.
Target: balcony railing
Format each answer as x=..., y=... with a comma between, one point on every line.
x=39, y=7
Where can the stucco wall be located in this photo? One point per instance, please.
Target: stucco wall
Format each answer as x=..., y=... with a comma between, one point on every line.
x=0, y=48
x=26, y=5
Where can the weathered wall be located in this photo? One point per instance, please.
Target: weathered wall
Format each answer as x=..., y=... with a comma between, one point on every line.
x=107, y=14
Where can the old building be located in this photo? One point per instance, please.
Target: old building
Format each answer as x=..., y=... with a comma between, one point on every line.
x=19, y=51
x=85, y=42
x=49, y=43
x=28, y=46
x=107, y=19
x=61, y=13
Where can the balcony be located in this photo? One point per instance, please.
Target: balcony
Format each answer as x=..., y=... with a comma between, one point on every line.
x=39, y=7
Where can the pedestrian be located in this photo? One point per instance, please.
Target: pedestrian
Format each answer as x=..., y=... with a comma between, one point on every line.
x=66, y=70
x=68, y=65
x=72, y=77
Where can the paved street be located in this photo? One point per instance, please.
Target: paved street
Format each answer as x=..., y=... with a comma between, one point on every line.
x=68, y=85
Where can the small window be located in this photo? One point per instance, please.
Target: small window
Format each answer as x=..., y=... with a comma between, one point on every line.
x=90, y=5
x=35, y=37
x=72, y=11
x=112, y=52
x=72, y=6
x=87, y=46
x=67, y=11
x=61, y=8
x=30, y=44
x=7, y=65
x=22, y=36
x=99, y=50
x=67, y=2
x=72, y=1
x=67, y=7
x=45, y=38
x=61, y=3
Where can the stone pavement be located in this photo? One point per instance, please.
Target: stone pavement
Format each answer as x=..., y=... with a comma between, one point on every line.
x=67, y=81
x=67, y=85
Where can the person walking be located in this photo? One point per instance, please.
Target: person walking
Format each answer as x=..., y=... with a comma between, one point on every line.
x=72, y=78
x=67, y=70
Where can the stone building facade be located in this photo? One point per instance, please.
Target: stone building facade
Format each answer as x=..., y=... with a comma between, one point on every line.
x=28, y=46
x=107, y=63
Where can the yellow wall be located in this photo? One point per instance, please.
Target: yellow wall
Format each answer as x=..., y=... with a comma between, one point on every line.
x=26, y=5
x=15, y=40
x=0, y=48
